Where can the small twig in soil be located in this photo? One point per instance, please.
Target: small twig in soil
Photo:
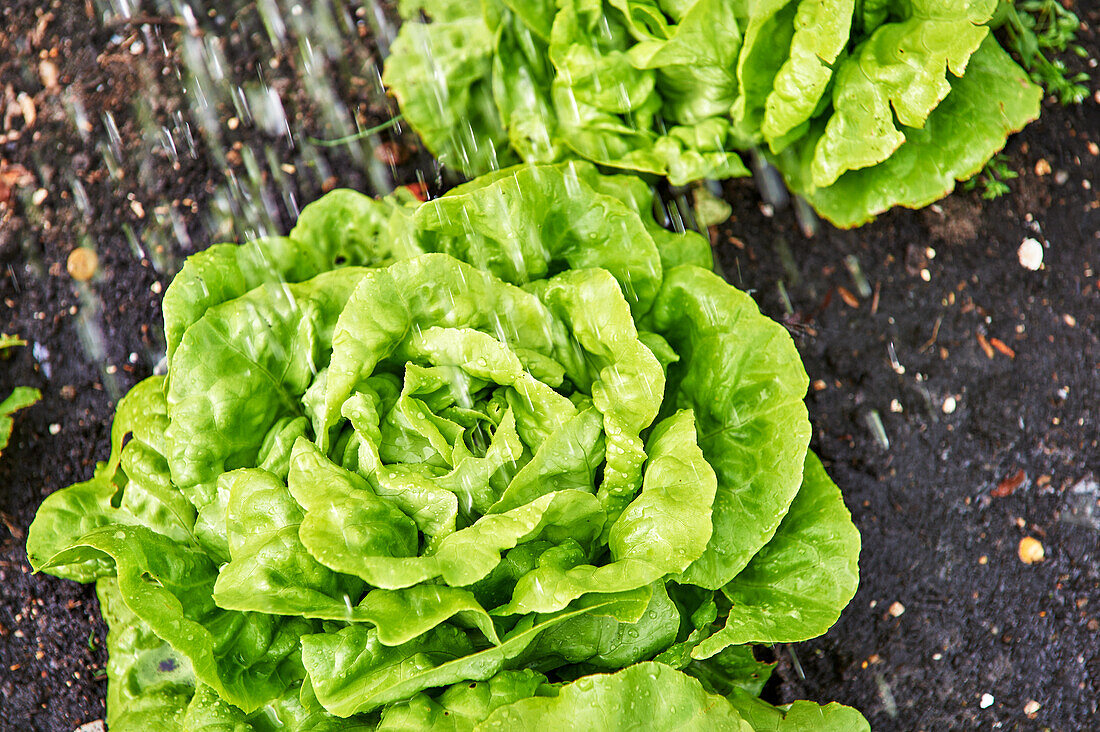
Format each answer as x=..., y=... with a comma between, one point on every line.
x=935, y=334
x=14, y=530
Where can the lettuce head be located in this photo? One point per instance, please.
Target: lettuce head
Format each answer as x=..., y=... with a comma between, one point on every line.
x=511, y=456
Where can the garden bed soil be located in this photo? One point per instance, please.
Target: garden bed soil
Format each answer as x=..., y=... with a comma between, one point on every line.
x=983, y=374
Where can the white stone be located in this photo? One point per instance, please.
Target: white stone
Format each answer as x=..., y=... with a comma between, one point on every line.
x=1030, y=254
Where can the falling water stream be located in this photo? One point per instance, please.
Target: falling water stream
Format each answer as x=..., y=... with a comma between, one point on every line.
x=253, y=90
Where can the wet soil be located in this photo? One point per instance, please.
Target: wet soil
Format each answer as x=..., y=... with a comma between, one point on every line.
x=983, y=374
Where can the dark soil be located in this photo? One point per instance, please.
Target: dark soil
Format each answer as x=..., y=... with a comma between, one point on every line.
x=946, y=611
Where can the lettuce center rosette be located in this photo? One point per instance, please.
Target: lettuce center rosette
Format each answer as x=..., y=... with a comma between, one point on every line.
x=450, y=464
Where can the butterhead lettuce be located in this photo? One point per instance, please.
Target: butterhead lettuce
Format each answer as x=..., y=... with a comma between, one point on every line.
x=860, y=105
x=513, y=458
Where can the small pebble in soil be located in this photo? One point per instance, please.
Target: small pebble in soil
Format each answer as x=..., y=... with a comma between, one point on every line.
x=48, y=73
x=986, y=702
x=55, y=428
x=1030, y=254
x=896, y=609
x=1032, y=706
x=82, y=264
x=1031, y=550
x=950, y=404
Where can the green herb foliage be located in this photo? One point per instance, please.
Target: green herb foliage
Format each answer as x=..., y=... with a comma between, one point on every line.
x=861, y=105
x=469, y=464
x=993, y=178
x=1036, y=29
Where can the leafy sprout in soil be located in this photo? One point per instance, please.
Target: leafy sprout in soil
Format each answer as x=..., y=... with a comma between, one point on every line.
x=1036, y=29
x=21, y=397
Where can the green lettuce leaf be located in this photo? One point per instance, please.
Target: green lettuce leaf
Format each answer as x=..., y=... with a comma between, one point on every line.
x=21, y=397
x=352, y=672
x=659, y=533
x=797, y=585
x=293, y=712
x=694, y=56
x=900, y=70
x=732, y=668
x=645, y=696
x=820, y=36
x=604, y=641
x=801, y=715
x=462, y=706
x=269, y=570
x=990, y=101
x=241, y=367
x=521, y=77
x=133, y=488
x=741, y=375
x=527, y=223
x=349, y=229
x=441, y=73
x=249, y=659
x=768, y=37
x=149, y=683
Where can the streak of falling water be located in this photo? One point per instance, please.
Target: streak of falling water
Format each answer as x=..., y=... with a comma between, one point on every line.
x=199, y=106
x=273, y=21
x=383, y=29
